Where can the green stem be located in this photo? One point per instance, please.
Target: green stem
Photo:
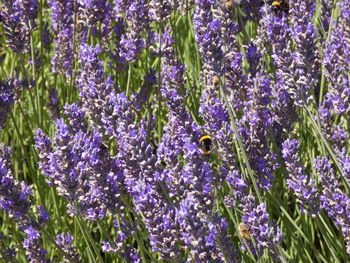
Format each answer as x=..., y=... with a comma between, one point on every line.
x=129, y=80
x=89, y=241
x=298, y=230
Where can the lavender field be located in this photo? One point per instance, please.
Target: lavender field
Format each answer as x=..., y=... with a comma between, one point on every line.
x=174, y=131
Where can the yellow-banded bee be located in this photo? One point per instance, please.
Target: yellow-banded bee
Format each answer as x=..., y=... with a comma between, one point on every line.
x=279, y=6
x=244, y=231
x=205, y=144
x=230, y=3
x=216, y=80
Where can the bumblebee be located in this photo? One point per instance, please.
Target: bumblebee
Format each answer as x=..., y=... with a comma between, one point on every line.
x=280, y=6
x=205, y=144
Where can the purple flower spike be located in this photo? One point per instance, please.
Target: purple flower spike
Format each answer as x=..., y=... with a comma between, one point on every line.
x=9, y=94
x=43, y=215
x=53, y=104
x=44, y=148
x=96, y=91
x=97, y=16
x=149, y=81
x=265, y=235
x=305, y=67
x=18, y=18
x=208, y=36
x=333, y=199
x=34, y=252
x=76, y=117
x=277, y=32
x=197, y=233
x=138, y=22
x=336, y=60
x=160, y=10
x=14, y=196
x=256, y=125
x=65, y=242
x=303, y=187
x=62, y=15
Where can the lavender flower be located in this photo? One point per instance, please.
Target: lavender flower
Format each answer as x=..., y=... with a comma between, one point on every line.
x=138, y=21
x=29, y=10
x=234, y=80
x=255, y=127
x=34, y=252
x=159, y=220
x=124, y=230
x=217, y=124
x=241, y=196
x=142, y=96
x=251, y=9
x=14, y=196
x=95, y=89
x=64, y=162
x=305, y=67
x=43, y=215
x=265, y=234
x=65, y=242
x=10, y=91
x=304, y=188
x=14, y=200
x=6, y=100
x=44, y=148
x=139, y=165
x=105, y=177
x=64, y=165
x=62, y=15
x=18, y=18
x=336, y=60
x=200, y=230
x=326, y=15
x=53, y=104
x=172, y=74
x=160, y=11
x=255, y=217
x=180, y=125
x=207, y=33
x=82, y=170
x=333, y=199
x=336, y=134
x=97, y=16
x=277, y=34
x=197, y=234
x=119, y=31
x=76, y=117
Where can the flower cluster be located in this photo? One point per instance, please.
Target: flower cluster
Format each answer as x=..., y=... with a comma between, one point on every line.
x=333, y=199
x=97, y=16
x=18, y=18
x=62, y=15
x=15, y=202
x=336, y=61
x=303, y=187
x=65, y=242
x=169, y=128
